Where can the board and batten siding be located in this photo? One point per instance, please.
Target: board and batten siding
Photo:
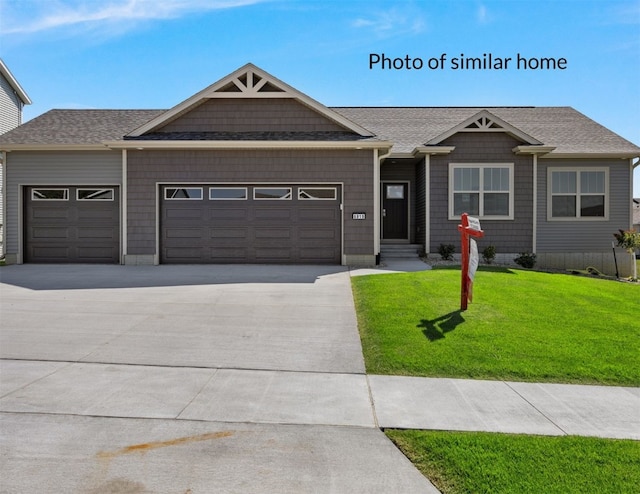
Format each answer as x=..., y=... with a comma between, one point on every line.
x=53, y=168
x=584, y=235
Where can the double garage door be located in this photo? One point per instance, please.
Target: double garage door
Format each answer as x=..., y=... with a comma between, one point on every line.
x=281, y=223
x=78, y=224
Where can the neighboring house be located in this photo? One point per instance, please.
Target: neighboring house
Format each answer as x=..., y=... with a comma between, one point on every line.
x=12, y=100
x=252, y=170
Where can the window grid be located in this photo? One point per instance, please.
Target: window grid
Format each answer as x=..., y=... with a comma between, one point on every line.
x=483, y=190
x=577, y=194
x=50, y=194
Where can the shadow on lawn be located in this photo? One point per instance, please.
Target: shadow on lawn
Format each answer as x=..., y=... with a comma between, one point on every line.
x=435, y=329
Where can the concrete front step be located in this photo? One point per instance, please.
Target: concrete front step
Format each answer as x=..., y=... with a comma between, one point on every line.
x=400, y=251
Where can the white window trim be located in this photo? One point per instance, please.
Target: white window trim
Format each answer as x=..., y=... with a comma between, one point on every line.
x=34, y=198
x=290, y=189
x=101, y=189
x=578, y=170
x=246, y=194
x=481, y=191
x=301, y=189
x=166, y=189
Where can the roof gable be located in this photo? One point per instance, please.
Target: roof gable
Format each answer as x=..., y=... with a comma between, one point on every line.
x=6, y=73
x=485, y=121
x=248, y=82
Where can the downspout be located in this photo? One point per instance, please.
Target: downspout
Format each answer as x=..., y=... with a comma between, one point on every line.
x=632, y=167
x=535, y=204
x=3, y=223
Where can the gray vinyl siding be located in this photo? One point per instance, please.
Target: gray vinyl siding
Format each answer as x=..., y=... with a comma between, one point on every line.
x=403, y=172
x=353, y=168
x=54, y=168
x=250, y=115
x=508, y=236
x=584, y=236
x=10, y=107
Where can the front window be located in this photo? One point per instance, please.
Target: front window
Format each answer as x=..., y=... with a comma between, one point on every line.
x=482, y=190
x=577, y=194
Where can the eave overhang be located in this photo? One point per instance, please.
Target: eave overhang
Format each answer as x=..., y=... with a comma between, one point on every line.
x=540, y=150
x=622, y=156
x=431, y=150
x=142, y=144
x=52, y=147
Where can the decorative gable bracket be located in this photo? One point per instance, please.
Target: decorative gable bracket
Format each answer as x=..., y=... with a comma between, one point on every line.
x=249, y=81
x=248, y=84
x=485, y=121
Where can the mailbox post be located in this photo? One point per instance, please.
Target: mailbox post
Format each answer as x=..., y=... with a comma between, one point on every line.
x=469, y=227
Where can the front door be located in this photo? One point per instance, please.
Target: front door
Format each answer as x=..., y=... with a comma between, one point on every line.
x=395, y=211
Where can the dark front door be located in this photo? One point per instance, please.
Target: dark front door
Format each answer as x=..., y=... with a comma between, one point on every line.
x=395, y=211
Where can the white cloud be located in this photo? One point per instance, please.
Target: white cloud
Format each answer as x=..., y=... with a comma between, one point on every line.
x=392, y=22
x=482, y=14
x=43, y=15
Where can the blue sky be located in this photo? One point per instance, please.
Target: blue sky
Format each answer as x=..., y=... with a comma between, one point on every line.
x=156, y=53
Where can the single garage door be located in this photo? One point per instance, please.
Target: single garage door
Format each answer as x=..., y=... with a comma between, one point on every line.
x=250, y=224
x=78, y=224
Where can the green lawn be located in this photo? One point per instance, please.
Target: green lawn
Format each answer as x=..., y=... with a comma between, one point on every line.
x=464, y=462
x=523, y=326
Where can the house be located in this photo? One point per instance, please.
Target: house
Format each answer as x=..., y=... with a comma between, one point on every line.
x=12, y=100
x=251, y=170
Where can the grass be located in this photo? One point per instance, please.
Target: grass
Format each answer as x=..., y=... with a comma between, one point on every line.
x=463, y=462
x=522, y=326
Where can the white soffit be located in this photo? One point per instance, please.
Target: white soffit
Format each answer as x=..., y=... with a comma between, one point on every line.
x=485, y=121
x=249, y=81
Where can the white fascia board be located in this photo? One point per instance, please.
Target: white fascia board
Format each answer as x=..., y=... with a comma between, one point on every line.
x=52, y=147
x=623, y=156
x=533, y=149
x=250, y=69
x=140, y=144
x=14, y=84
x=433, y=150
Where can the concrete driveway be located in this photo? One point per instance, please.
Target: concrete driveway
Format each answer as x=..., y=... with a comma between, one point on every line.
x=297, y=318
x=188, y=379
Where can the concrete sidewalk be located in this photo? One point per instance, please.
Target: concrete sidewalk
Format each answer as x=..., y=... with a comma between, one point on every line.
x=308, y=398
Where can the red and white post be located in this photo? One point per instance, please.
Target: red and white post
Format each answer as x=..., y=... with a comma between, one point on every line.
x=469, y=227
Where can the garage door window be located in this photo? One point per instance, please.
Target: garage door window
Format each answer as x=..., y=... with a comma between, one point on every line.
x=272, y=193
x=94, y=194
x=50, y=194
x=317, y=193
x=228, y=193
x=183, y=194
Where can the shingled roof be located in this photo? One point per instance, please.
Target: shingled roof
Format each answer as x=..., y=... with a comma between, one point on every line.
x=77, y=127
x=564, y=128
